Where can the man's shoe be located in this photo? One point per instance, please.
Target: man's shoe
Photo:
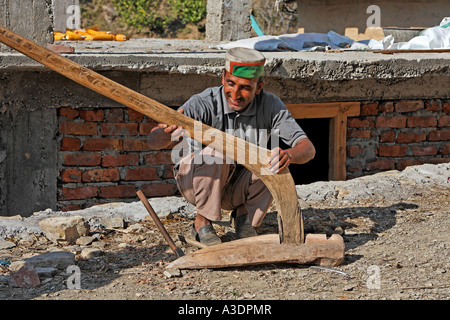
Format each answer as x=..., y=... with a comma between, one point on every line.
x=206, y=235
x=242, y=226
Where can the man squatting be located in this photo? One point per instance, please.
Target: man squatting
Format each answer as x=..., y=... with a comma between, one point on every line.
x=238, y=106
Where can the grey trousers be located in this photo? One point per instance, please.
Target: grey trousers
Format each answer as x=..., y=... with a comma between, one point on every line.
x=211, y=183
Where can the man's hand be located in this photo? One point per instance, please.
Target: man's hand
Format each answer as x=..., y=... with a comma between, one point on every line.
x=279, y=160
x=163, y=135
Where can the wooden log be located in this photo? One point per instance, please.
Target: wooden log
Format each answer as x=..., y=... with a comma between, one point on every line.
x=281, y=185
x=266, y=249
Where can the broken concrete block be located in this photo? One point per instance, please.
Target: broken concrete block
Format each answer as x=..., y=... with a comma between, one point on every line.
x=46, y=272
x=25, y=277
x=4, y=244
x=85, y=240
x=88, y=253
x=107, y=222
x=64, y=228
x=57, y=259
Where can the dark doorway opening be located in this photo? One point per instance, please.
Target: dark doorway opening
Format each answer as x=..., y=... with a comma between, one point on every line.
x=318, y=131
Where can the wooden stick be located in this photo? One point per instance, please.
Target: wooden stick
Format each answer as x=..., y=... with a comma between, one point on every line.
x=281, y=185
x=160, y=226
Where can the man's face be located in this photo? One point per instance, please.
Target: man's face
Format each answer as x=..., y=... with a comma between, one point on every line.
x=239, y=92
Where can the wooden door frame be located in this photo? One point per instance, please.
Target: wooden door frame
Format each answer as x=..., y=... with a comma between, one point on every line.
x=338, y=113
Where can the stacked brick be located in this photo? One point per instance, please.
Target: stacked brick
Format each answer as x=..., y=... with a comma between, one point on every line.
x=104, y=157
x=392, y=135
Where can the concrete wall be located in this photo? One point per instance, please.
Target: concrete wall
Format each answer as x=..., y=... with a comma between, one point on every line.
x=31, y=18
x=228, y=20
x=325, y=15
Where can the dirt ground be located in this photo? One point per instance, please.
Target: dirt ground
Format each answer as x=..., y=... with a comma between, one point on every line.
x=396, y=249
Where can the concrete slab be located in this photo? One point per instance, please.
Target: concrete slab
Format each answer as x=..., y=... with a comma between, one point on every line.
x=201, y=57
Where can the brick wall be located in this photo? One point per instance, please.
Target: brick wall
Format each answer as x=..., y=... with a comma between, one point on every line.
x=395, y=134
x=104, y=157
x=103, y=154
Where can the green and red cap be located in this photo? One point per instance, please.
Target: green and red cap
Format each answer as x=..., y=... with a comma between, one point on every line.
x=245, y=63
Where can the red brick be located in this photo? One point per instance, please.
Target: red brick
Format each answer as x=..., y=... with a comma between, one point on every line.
x=92, y=115
x=433, y=105
x=424, y=150
x=25, y=277
x=439, y=135
x=145, y=128
x=159, y=189
x=162, y=157
x=70, y=175
x=439, y=160
x=71, y=207
x=78, y=193
x=391, y=122
x=392, y=151
x=445, y=149
x=402, y=164
x=354, y=151
x=351, y=133
x=141, y=174
x=78, y=128
x=120, y=160
x=136, y=145
x=168, y=172
x=387, y=136
x=386, y=107
x=354, y=168
x=68, y=113
x=446, y=107
x=411, y=137
x=121, y=191
x=370, y=109
x=70, y=144
x=444, y=121
x=100, y=144
x=381, y=164
x=114, y=115
x=119, y=129
x=101, y=175
x=133, y=115
x=359, y=123
x=422, y=122
x=82, y=159
x=408, y=106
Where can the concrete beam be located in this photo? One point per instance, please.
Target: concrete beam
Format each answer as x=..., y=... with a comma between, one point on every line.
x=32, y=19
x=28, y=171
x=228, y=20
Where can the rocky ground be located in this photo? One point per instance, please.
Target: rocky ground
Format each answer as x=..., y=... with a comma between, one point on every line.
x=395, y=226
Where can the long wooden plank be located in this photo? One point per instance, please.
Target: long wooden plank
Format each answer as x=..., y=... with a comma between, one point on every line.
x=281, y=185
x=266, y=249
